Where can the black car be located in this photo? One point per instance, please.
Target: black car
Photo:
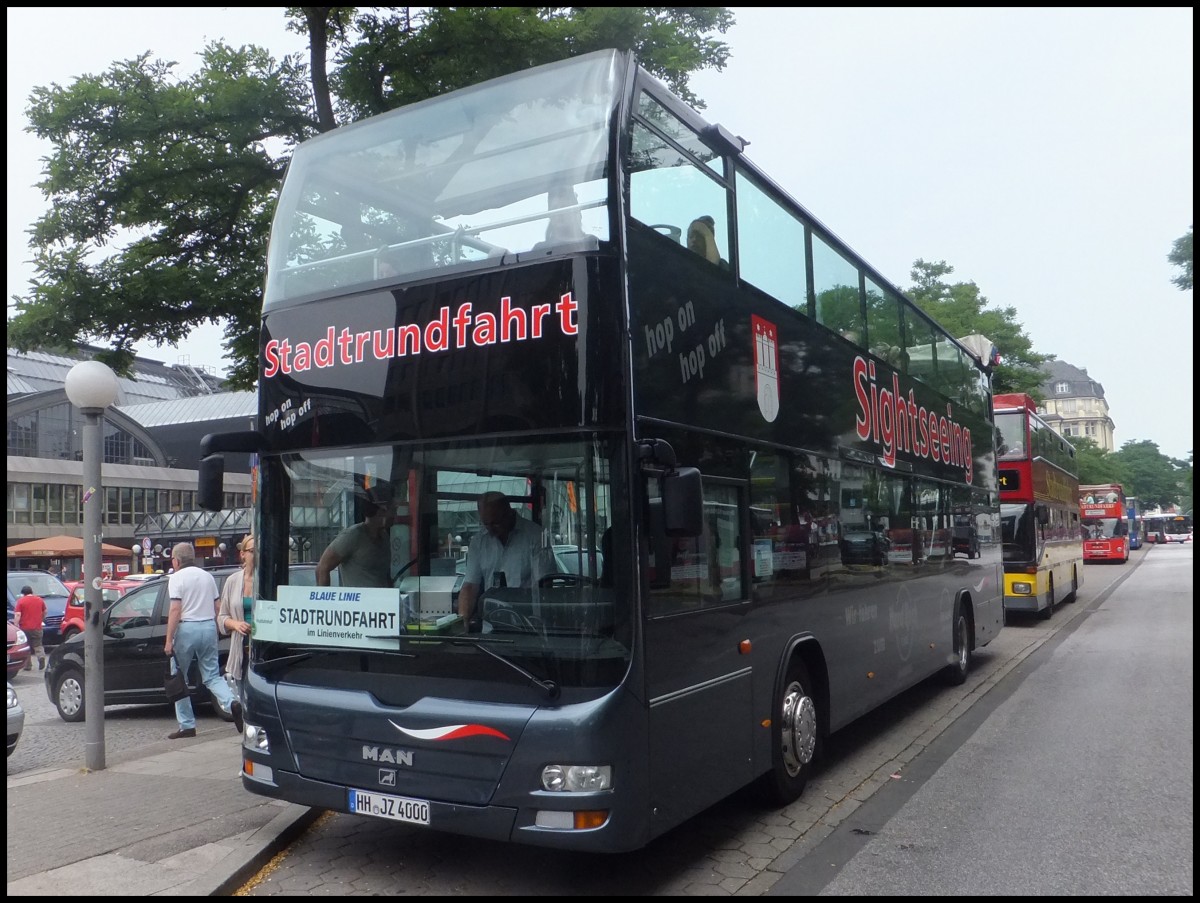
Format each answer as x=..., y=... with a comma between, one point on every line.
x=135, y=640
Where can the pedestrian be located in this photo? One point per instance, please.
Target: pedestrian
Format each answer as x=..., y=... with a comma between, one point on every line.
x=192, y=634
x=234, y=613
x=30, y=611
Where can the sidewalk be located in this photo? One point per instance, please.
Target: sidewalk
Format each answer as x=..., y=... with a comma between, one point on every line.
x=170, y=820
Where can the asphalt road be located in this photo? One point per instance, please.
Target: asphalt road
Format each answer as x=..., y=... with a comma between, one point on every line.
x=1073, y=777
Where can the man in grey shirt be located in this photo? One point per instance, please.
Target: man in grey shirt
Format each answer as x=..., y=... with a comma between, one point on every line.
x=508, y=551
x=362, y=553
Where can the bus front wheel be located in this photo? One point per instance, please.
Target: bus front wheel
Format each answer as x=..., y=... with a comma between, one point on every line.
x=1048, y=612
x=794, y=736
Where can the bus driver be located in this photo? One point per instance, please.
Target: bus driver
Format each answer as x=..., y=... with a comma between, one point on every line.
x=506, y=552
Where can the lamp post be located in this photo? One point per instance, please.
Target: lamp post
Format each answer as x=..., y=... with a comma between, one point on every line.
x=91, y=386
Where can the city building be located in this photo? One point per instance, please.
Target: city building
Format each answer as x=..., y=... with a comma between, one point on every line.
x=1075, y=405
x=151, y=454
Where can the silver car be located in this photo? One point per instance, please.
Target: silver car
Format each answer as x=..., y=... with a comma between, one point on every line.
x=16, y=719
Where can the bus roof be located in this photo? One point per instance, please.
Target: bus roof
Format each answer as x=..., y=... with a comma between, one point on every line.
x=1014, y=400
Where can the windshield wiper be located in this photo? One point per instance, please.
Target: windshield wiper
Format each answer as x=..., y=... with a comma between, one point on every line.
x=552, y=689
x=266, y=666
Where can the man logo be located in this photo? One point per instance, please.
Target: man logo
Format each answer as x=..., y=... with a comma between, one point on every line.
x=390, y=756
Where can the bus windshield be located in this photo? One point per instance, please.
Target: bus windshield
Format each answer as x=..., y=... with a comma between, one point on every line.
x=1010, y=429
x=547, y=608
x=1103, y=527
x=1018, y=532
x=442, y=185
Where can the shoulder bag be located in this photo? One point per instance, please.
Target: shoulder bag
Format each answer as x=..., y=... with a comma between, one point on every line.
x=174, y=684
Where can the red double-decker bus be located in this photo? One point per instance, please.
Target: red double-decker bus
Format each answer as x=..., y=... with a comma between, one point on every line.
x=1102, y=518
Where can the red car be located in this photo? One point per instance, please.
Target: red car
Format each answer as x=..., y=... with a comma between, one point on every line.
x=18, y=650
x=110, y=591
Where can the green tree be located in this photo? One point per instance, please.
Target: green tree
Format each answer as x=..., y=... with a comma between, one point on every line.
x=1181, y=256
x=1153, y=477
x=1098, y=465
x=161, y=188
x=962, y=309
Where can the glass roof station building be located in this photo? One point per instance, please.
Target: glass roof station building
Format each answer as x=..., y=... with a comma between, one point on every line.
x=151, y=451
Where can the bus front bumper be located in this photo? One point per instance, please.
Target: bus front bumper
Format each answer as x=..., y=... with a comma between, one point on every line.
x=1029, y=602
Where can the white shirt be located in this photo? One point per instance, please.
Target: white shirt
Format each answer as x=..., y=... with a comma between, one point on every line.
x=197, y=590
x=522, y=559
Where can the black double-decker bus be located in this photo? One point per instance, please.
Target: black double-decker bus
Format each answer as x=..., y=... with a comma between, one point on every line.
x=737, y=453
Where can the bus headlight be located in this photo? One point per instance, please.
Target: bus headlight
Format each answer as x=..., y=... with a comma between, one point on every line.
x=1022, y=588
x=255, y=738
x=572, y=778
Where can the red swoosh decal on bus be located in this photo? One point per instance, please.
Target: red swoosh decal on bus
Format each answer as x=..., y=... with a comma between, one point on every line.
x=450, y=732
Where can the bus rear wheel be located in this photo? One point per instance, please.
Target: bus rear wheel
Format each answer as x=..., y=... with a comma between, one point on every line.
x=794, y=737
x=956, y=672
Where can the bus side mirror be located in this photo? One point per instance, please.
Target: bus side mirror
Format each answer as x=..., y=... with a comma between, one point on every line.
x=683, y=502
x=1043, y=514
x=210, y=491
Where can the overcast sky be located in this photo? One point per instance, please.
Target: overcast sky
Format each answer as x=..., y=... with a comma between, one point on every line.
x=1045, y=154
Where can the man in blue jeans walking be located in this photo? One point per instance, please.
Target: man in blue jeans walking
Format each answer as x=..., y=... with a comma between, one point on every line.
x=192, y=633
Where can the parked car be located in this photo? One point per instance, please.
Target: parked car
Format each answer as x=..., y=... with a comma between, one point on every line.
x=862, y=545
x=110, y=592
x=49, y=588
x=18, y=650
x=16, y=719
x=299, y=574
x=135, y=639
x=573, y=560
x=305, y=574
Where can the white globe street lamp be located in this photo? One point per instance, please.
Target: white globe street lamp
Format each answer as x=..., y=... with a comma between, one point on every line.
x=92, y=386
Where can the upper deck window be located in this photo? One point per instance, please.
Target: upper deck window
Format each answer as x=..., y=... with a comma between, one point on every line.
x=477, y=174
x=676, y=183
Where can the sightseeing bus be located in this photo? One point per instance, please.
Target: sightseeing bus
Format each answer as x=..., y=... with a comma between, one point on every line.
x=1104, y=522
x=1167, y=527
x=566, y=287
x=1039, y=509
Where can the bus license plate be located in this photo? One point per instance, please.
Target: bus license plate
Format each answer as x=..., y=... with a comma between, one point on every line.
x=398, y=808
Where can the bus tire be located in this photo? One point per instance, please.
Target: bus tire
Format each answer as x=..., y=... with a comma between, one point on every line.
x=1074, y=594
x=1048, y=612
x=955, y=674
x=795, y=732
